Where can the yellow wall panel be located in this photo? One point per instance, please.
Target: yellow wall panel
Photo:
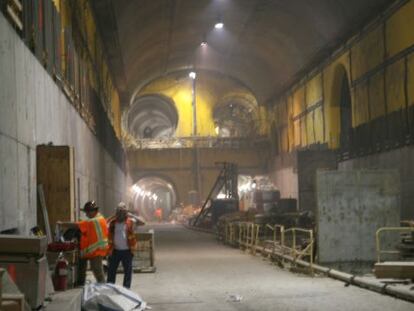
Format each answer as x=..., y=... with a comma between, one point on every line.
x=296, y=133
x=377, y=96
x=410, y=81
x=314, y=90
x=57, y=5
x=116, y=111
x=263, y=127
x=284, y=140
x=371, y=99
x=367, y=53
x=395, y=86
x=331, y=89
x=283, y=116
x=319, y=125
x=291, y=130
x=310, y=134
x=399, y=29
x=303, y=132
x=205, y=123
x=360, y=107
x=299, y=101
x=275, y=113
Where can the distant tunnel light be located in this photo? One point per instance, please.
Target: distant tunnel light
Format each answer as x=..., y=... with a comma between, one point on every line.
x=254, y=185
x=219, y=25
x=136, y=189
x=192, y=75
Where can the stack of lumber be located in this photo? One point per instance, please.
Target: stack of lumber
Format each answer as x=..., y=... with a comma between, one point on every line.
x=394, y=270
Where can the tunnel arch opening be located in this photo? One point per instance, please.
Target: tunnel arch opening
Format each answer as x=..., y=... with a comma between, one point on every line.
x=341, y=108
x=236, y=116
x=152, y=116
x=345, y=112
x=154, y=198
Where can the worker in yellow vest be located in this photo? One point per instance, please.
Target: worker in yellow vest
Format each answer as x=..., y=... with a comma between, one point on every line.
x=93, y=242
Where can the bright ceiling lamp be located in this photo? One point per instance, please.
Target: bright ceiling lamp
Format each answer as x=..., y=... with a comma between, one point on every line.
x=192, y=75
x=219, y=25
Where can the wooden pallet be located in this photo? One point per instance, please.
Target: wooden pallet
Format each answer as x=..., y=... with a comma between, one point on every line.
x=394, y=270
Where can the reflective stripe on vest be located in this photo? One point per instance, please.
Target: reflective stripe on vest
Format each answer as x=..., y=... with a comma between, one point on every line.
x=102, y=242
x=94, y=247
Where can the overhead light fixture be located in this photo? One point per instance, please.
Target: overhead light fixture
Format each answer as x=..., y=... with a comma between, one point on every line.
x=204, y=41
x=219, y=25
x=192, y=75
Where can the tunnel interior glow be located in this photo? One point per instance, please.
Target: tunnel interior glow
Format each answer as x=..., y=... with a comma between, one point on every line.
x=151, y=194
x=152, y=116
x=235, y=117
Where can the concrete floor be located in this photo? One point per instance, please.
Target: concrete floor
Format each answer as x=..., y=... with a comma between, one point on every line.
x=195, y=272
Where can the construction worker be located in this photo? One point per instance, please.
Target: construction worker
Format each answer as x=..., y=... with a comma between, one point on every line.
x=122, y=243
x=158, y=214
x=93, y=242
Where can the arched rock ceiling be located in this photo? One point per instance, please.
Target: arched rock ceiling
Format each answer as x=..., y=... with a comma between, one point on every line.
x=264, y=43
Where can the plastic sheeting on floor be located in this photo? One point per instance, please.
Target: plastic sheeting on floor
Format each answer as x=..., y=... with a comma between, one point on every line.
x=110, y=297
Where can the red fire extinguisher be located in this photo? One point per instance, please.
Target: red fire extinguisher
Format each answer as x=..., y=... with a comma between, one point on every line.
x=61, y=273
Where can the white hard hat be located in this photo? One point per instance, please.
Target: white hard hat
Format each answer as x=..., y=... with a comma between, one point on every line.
x=121, y=206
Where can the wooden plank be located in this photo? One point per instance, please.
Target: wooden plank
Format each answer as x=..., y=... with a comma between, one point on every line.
x=45, y=215
x=10, y=306
x=13, y=302
x=394, y=270
x=55, y=171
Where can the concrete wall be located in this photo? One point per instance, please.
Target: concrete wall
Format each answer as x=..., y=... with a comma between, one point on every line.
x=34, y=111
x=294, y=175
x=400, y=159
x=352, y=205
x=309, y=161
x=284, y=175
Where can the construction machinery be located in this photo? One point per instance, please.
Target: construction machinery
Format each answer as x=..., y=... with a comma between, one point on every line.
x=222, y=199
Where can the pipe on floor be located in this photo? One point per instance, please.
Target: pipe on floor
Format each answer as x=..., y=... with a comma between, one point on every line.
x=373, y=285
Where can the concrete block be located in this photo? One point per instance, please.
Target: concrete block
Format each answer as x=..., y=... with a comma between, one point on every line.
x=8, y=184
x=62, y=109
x=26, y=183
x=44, y=117
x=26, y=105
x=70, y=128
x=351, y=206
x=8, y=114
x=399, y=159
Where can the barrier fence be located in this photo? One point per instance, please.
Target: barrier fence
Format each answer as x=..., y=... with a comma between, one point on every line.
x=298, y=243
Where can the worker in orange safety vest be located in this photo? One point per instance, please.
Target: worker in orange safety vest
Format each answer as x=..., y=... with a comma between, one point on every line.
x=93, y=243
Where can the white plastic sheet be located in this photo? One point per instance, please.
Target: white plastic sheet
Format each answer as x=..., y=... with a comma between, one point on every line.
x=110, y=297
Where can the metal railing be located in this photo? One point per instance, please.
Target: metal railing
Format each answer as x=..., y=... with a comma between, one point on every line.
x=191, y=142
x=296, y=251
x=388, y=229
x=277, y=236
x=252, y=237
